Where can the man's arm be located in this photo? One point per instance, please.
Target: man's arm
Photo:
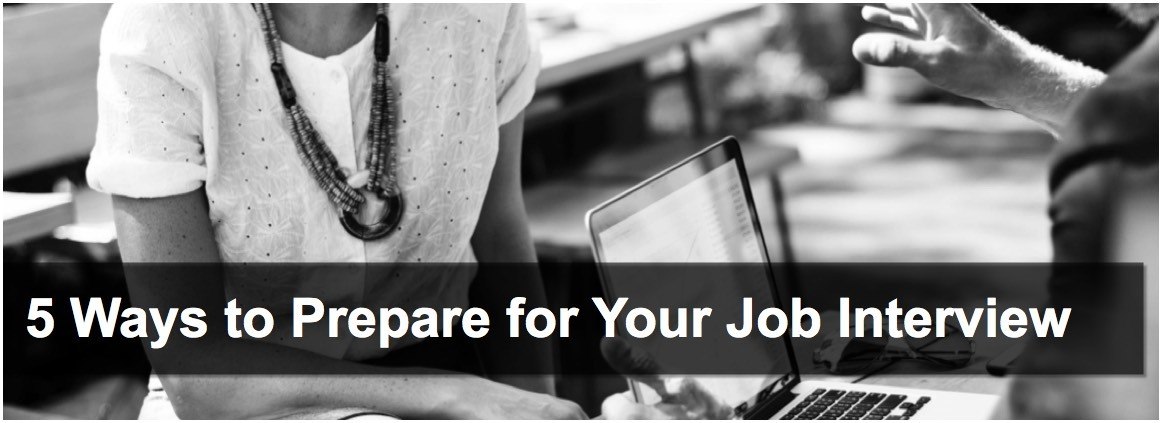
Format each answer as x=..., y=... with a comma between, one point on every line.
x=502, y=236
x=960, y=50
x=177, y=230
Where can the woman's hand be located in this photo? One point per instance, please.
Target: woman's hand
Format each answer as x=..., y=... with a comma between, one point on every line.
x=682, y=398
x=484, y=399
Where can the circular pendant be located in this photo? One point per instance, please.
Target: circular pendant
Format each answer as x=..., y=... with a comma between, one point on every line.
x=388, y=219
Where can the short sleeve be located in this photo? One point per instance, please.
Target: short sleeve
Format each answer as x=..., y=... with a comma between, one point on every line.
x=518, y=62
x=149, y=133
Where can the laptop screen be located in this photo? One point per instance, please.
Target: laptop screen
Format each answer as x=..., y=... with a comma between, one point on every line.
x=705, y=221
x=696, y=213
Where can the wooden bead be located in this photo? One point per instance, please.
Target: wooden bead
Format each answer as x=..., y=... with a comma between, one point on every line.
x=319, y=161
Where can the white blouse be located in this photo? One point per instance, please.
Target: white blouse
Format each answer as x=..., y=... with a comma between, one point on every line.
x=187, y=99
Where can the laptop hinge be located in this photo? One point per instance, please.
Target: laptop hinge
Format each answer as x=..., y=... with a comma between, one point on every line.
x=767, y=409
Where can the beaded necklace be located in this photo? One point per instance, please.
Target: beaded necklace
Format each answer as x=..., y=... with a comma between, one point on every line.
x=379, y=175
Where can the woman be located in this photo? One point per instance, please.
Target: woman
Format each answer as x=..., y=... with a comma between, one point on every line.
x=297, y=133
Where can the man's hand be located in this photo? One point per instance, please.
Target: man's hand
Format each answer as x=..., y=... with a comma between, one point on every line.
x=960, y=50
x=952, y=45
x=682, y=398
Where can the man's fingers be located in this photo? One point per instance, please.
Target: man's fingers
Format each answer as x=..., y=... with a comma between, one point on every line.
x=944, y=10
x=957, y=14
x=894, y=50
x=883, y=17
x=900, y=8
x=633, y=363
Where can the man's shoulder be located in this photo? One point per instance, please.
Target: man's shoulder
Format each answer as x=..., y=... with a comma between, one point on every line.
x=1116, y=121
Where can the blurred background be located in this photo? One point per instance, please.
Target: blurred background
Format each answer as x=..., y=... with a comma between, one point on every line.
x=849, y=163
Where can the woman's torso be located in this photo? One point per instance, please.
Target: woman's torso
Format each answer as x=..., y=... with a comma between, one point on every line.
x=455, y=69
x=447, y=65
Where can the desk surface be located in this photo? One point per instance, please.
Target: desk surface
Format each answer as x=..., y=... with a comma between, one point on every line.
x=977, y=382
x=611, y=35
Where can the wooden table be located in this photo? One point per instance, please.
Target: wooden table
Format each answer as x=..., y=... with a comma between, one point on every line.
x=29, y=216
x=976, y=384
x=609, y=35
x=595, y=39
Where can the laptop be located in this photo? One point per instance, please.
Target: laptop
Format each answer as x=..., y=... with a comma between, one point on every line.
x=701, y=210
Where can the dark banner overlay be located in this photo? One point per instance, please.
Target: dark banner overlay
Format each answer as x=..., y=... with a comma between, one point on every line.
x=720, y=319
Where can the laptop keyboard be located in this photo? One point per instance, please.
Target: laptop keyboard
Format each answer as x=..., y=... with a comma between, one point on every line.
x=835, y=404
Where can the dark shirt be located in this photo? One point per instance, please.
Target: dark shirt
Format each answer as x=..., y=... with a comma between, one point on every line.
x=1112, y=138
